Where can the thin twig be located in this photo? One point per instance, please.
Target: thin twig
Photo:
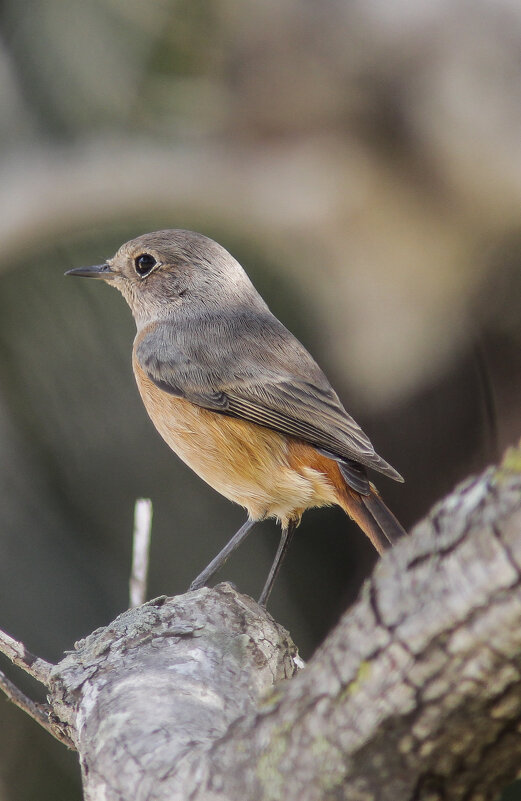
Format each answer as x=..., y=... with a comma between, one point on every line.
x=38, y=712
x=140, y=551
x=20, y=656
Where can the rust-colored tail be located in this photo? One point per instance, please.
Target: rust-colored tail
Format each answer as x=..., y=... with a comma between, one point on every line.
x=353, y=492
x=372, y=515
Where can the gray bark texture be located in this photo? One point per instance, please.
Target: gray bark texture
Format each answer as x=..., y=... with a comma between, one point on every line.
x=415, y=696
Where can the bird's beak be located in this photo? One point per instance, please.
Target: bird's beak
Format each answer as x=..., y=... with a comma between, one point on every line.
x=97, y=271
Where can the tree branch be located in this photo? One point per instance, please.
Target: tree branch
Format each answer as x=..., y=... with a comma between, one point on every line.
x=149, y=694
x=140, y=551
x=415, y=695
x=41, y=713
x=20, y=656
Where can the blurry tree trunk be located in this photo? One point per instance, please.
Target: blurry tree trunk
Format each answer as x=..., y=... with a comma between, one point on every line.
x=415, y=695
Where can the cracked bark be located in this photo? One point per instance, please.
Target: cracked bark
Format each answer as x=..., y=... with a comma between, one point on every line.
x=415, y=695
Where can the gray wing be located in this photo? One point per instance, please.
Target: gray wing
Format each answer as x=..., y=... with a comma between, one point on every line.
x=250, y=366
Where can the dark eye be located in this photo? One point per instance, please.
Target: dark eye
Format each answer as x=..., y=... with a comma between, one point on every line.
x=144, y=264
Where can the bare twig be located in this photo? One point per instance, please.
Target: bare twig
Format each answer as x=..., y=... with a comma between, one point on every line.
x=20, y=656
x=140, y=552
x=38, y=712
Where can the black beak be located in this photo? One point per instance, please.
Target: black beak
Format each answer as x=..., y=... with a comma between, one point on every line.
x=97, y=271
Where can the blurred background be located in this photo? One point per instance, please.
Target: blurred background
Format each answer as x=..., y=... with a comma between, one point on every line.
x=362, y=159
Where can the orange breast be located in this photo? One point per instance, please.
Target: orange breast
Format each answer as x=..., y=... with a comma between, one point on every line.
x=271, y=475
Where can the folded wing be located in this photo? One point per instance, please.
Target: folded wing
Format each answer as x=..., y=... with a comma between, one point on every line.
x=253, y=368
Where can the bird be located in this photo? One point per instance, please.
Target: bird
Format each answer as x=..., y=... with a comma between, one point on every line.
x=237, y=397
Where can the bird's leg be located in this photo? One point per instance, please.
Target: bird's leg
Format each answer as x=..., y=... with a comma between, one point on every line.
x=222, y=556
x=285, y=539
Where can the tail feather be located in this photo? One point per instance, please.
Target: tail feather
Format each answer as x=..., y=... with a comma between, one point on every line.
x=374, y=518
x=353, y=491
x=384, y=518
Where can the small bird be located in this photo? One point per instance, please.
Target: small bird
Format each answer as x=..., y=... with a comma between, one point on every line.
x=237, y=396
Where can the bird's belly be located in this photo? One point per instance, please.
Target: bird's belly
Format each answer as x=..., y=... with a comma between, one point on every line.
x=246, y=463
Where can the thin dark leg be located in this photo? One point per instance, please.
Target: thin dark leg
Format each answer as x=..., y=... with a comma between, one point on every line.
x=222, y=556
x=285, y=539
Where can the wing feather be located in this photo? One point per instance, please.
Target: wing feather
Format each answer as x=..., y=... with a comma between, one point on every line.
x=256, y=370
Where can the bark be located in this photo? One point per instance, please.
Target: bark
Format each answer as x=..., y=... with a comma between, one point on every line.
x=415, y=695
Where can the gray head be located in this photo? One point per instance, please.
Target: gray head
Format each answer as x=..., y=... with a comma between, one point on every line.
x=167, y=273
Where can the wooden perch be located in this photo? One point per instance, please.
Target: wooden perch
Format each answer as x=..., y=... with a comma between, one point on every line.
x=415, y=695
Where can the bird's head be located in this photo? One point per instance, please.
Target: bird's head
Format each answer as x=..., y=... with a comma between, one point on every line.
x=164, y=273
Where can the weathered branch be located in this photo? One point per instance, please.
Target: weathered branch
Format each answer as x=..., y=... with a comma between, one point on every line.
x=415, y=695
x=40, y=670
x=147, y=696
x=20, y=656
x=41, y=713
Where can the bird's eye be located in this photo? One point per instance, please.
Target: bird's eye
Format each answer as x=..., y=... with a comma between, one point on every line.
x=144, y=264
